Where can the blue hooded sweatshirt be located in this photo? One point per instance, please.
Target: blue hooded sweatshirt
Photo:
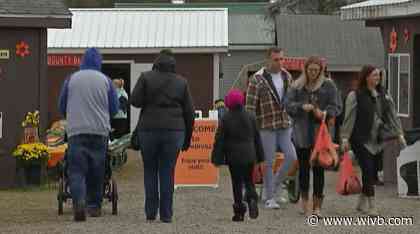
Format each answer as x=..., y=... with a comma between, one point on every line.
x=88, y=99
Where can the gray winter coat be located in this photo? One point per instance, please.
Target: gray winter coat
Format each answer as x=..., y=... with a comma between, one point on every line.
x=324, y=96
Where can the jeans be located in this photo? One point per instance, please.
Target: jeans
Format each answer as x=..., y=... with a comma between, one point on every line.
x=304, y=174
x=86, y=167
x=272, y=141
x=242, y=175
x=160, y=149
x=368, y=164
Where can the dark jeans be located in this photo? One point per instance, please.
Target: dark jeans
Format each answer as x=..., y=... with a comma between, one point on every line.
x=304, y=174
x=86, y=168
x=160, y=149
x=368, y=164
x=242, y=175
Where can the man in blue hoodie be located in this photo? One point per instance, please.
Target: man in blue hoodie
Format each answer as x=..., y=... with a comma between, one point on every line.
x=88, y=100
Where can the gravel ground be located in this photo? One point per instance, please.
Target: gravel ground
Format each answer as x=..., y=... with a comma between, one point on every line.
x=196, y=211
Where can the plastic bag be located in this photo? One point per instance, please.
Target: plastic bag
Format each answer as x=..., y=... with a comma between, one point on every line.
x=348, y=182
x=324, y=153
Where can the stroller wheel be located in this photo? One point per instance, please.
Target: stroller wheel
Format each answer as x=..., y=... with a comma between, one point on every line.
x=60, y=196
x=114, y=197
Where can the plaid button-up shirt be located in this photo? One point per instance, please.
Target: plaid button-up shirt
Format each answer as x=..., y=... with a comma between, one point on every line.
x=262, y=99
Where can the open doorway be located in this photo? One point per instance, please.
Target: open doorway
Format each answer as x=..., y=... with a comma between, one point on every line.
x=416, y=81
x=121, y=122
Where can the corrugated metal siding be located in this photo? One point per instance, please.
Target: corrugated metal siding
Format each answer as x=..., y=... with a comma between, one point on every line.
x=347, y=43
x=231, y=66
x=375, y=3
x=380, y=9
x=251, y=29
x=143, y=28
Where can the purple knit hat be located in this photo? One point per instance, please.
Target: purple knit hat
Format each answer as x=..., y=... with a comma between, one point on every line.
x=234, y=98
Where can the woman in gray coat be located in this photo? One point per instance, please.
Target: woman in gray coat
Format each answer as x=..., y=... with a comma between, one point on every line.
x=311, y=99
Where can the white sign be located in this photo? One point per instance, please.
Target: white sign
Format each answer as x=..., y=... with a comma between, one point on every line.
x=1, y=125
x=4, y=54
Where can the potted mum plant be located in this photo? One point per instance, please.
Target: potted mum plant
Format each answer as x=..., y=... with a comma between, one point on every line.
x=32, y=158
x=32, y=155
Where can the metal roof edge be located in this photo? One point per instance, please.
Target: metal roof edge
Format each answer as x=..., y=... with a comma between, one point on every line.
x=69, y=16
x=192, y=50
x=144, y=9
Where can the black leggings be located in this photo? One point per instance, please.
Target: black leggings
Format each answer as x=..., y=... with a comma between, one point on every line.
x=304, y=154
x=242, y=175
x=368, y=164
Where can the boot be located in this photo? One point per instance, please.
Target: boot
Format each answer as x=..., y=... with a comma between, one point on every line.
x=317, y=205
x=79, y=212
x=94, y=212
x=304, y=200
x=361, y=203
x=253, y=208
x=239, y=212
x=372, y=208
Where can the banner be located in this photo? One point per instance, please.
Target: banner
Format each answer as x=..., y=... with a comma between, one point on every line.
x=194, y=166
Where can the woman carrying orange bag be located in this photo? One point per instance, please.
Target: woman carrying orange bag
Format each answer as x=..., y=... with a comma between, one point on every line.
x=363, y=121
x=311, y=99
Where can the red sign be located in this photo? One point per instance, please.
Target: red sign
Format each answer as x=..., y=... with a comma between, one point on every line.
x=297, y=64
x=64, y=60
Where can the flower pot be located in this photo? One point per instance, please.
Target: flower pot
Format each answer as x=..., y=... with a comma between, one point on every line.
x=33, y=174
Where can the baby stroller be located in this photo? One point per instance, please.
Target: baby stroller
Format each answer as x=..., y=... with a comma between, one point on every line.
x=110, y=187
x=291, y=183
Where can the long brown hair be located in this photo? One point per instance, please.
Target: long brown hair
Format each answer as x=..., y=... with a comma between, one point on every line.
x=364, y=74
x=313, y=60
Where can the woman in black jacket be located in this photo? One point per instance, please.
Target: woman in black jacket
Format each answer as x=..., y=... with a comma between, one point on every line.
x=164, y=129
x=370, y=114
x=238, y=144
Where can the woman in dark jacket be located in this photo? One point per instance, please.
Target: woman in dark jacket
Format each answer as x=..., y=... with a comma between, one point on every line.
x=165, y=128
x=311, y=99
x=238, y=144
x=369, y=111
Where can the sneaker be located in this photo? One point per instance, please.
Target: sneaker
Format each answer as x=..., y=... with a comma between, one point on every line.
x=282, y=200
x=272, y=204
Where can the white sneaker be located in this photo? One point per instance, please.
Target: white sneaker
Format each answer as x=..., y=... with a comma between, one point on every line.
x=282, y=200
x=272, y=204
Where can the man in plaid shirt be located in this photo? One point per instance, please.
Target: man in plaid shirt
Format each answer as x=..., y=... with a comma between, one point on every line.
x=265, y=97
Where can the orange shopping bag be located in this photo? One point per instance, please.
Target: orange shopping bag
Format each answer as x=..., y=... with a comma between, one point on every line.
x=348, y=182
x=324, y=153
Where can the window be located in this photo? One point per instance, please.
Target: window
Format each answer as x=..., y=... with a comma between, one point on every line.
x=399, y=82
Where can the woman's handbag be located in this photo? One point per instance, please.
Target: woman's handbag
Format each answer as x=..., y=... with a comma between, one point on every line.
x=135, y=140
